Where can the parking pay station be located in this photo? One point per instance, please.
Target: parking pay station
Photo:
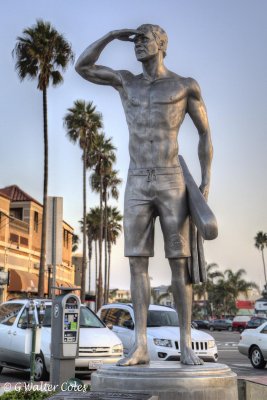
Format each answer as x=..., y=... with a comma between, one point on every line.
x=64, y=335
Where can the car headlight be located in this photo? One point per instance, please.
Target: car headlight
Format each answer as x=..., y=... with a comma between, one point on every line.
x=118, y=348
x=163, y=342
x=211, y=343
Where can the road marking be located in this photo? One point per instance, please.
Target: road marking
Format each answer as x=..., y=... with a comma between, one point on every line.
x=241, y=365
x=233, y=344
x=229, y=350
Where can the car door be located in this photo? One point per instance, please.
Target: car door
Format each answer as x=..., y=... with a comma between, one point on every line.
x=8, y=316
x=21, y=339
x=262, y=341
x=117, y=317
x=126, y=330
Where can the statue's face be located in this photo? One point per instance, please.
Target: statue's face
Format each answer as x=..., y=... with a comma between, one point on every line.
x=146, y=46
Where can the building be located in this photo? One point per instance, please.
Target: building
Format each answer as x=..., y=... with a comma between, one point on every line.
x=162, y=295
x=119, y=295
x=20, y=245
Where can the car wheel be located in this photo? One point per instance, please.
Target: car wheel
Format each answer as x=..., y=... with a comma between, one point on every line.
x=1, y=369
x=229, y=328
x=256, y=358
x=40, y=372
x=240, y=329
x=211, y=328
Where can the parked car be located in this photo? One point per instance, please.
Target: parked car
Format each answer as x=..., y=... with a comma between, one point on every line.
x=97, y=343
x=253, y=344
x=194, y=325
x=255, y=322
x=220, y=325
x=240, y=322
x=163, y=332
x=202, y=324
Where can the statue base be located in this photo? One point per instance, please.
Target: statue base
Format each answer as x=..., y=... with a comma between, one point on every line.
x=169, y=380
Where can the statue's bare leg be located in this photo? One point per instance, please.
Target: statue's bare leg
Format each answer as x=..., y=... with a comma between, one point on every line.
x=140, y=292
x=182, y=294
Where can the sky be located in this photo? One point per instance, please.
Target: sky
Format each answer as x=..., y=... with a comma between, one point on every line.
x=222, y=44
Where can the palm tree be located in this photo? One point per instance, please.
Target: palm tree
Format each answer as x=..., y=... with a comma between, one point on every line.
x=206, y=289
x=42, y=53
x=75, y=242
x=92, y=232
x=82, y=123
x=226, y=291
x=102, y=157
x=114, y=229
x=260, y=243
x=237, y=284
x=94, y=222
x=111, y=182
x=110, y=189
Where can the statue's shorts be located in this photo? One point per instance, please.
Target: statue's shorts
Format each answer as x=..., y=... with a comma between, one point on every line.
x=150, y=193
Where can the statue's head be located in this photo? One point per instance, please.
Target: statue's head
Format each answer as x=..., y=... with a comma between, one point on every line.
x=152, y=39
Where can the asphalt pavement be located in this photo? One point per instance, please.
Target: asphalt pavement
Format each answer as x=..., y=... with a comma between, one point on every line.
x=228, y=354
x=227, y=343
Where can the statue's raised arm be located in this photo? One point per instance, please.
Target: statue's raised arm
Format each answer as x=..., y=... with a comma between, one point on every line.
x=102, y=75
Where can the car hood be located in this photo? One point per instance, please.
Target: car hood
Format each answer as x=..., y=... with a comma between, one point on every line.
x=89, y=337
x=173, y=333
x=101, y=337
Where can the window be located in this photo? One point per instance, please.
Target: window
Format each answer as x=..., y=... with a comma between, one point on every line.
x=162, y=318
x=9, y=312
x=13, y=238
x=124, y=316
x=103, y=314
x=47, y=317
x=24, y=241
x=17, y=213
x=112, y=316
x=65, y=238
x=89, y=320
x=35, y=221
x=24, y=318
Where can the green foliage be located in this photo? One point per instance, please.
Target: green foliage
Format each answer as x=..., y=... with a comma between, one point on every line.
x=222, y=290
x=26, y=395
x=42, y=53
x=82, y=123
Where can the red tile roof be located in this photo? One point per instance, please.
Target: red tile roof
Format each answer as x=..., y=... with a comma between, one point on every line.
x=14, y=193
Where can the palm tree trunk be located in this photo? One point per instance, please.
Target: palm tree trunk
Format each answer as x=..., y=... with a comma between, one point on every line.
x=43, y=238
x=264, y=268
x=100, y=276
x=106, y=249
x=109, y=263
x=96, y=275
x=89, y=240
x=84, y=230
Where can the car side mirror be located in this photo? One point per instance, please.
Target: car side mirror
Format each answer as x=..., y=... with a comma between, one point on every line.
x=128, y=324
x=109, y=326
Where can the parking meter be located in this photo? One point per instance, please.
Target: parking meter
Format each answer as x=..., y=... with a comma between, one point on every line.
x=64, y=335
x=32, y=325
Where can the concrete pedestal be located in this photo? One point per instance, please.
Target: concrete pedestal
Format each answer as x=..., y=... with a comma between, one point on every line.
x=169, y=380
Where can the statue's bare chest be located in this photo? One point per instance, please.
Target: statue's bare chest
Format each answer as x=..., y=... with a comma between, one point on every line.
x=161, y=93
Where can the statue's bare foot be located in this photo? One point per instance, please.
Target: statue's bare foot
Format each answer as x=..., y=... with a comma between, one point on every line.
x=136, y=356
x=188, y=357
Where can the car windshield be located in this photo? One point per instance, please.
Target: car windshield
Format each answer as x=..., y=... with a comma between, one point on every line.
x=87, y=318
x=162, y=318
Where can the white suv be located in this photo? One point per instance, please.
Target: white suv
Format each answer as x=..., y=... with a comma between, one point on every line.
x=97, y=344
x=163, y=332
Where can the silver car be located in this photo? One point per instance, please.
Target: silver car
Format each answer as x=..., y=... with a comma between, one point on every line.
x=97, y=344
x=253, y=344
